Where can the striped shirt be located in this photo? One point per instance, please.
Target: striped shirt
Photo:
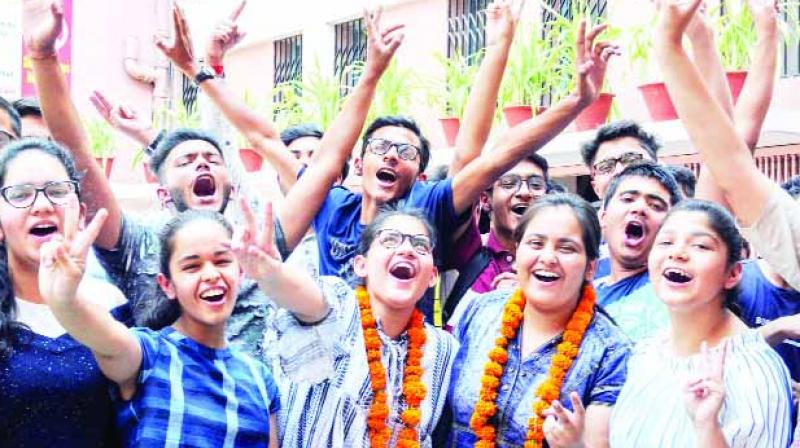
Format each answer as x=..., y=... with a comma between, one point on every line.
x=332, y=411
x=651, y=412
x=190, y=395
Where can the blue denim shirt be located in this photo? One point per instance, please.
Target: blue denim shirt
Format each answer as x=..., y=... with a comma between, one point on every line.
x=133, y=265
x=597, y=374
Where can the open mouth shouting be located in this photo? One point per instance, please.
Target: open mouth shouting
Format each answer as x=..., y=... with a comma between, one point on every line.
x=214, y=295
x=387, y=177
x=545, y=276
x=677, y=276
x=635, y=233
x=43, y=230
x=403, y=271
x=204, y=186
x=519, y=209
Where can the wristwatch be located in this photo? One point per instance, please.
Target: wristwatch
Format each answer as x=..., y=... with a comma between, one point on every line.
x=203, y=75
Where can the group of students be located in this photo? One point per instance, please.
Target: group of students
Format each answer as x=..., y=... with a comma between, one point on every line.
x=564, y=326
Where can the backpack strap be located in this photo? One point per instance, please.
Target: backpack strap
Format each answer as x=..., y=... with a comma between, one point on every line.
x=466, y=278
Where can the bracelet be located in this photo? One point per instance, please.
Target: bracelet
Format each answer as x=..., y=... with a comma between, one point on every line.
x=219, y=70
x=37, y=56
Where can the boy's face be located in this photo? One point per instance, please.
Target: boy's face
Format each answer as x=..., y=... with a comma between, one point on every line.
x=612, y=157
x=389, y=176
x=513, y=193
x=196, y=177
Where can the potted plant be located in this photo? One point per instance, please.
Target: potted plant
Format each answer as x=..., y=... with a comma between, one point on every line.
x=640, y=43
x=393, y=93
x=736, y=36
x=451, y=92
x=528, y=78
x=101, y=139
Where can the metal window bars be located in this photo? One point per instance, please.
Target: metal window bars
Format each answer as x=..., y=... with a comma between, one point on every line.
x=288, y=59
x=466, y=25
x=790, y=47
x=350, y=46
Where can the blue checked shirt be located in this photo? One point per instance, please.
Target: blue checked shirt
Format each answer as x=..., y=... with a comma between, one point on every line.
x=190, y=395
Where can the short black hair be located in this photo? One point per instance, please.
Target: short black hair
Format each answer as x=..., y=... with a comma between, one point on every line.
x=541, y=162
x=175, y=138
x=619, y=129
x=13, y=115
x=292, y=133
x=28, y=105
x=555, y=187
x=685, y=178
x=651, y=171
x=401, y=122
x=792, y=186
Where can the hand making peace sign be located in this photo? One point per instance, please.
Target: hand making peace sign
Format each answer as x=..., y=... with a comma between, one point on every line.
x=62, y=260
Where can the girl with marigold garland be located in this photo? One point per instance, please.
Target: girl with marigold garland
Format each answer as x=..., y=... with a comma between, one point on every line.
x=542, y=364
x=379, y=375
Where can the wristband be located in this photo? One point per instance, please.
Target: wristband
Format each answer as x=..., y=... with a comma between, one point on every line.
x=219, y=70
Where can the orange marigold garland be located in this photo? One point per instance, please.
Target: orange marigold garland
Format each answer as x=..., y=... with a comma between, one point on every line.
x=549, y=390
x=414, y=389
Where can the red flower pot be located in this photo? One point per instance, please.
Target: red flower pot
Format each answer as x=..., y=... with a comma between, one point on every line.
x=106, y=163
x=596, y=114
x=517, y=114
x=149, y=176
x=736, y=82
x=250, y=159
x=658, y=101
x=450, y=126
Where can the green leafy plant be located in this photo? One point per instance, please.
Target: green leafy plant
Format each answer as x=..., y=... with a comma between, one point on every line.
x=101, y=138
x=393, y=95
x=530, y=68
x=736, y=35
x=450, y=92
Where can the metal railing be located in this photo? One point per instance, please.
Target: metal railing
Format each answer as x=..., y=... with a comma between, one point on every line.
x=466, y=24
x=350, y=46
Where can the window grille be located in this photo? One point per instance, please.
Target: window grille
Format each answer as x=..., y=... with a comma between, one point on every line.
x=790, y=48
x=466, y=25
x=288, y=59
x=350, y=46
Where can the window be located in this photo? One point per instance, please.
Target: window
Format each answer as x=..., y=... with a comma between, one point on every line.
x=466, y=24
x=567, y=8
x=350, y=46
x=188, y=94
x=790, y=49
x=288, y=59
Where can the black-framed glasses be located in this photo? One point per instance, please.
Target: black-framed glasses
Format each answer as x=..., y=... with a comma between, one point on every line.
x=391, y=239
x=6, y=137
x=380, y=146
x=24, y=195
x=513, y=182
x=607, y=165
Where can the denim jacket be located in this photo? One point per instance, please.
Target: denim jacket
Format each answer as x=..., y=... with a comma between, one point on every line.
x=597, y=374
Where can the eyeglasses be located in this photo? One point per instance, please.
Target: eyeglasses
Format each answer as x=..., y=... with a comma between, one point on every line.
x=380, y=146
x=6, y=138
x=24, y=195
x=513, y=182
x=391, y=239
x=606, y=166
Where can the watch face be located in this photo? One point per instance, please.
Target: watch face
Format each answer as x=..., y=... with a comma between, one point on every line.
x=203, y=75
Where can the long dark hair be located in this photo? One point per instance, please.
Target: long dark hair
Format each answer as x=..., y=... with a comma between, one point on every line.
x=9, y=326
x=168, y=311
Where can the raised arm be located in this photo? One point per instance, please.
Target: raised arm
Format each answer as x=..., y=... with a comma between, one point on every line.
x=261, y=133
x=501, y=23
x=290, y=288
x=533, y=134
x=756, y=96
x=42, y=22
x=710, y=129
x=62, y=265
x=340, y=138
x=124, y=119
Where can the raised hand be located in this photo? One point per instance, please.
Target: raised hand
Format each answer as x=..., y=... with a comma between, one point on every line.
x=225, y=36
x=674, y=17
x=121, y=117
x=382, y=42
x=698, y=27
x=591, y=62
x=62, y=260
x=42, y=22
x=180, y=50
x=705, y=391
x=501, y=21
x=254, y=247
x=562, y=428
x=765, y=14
